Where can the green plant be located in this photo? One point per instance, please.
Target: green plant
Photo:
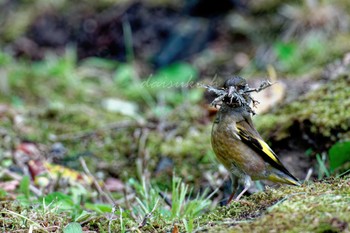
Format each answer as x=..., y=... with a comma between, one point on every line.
x=73, y=227
x=322, y=168
x=180, y=207
x=339, y=154
x=299, y=56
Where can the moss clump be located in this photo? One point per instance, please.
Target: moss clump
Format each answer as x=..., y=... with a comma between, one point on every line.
x=15, y=216
x=324, y=112
x=313, y=207
x=317, y=208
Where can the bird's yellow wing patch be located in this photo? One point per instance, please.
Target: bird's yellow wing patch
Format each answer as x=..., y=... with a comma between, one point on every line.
x=267, y=150
x=262, y=149
x=257, y=144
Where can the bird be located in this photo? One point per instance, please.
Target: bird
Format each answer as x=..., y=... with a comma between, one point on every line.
x=238, y=145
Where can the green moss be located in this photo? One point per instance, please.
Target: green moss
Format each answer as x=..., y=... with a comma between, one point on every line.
x=313, y=207
x=64, y=121
x=15, y=216
x=320, y=112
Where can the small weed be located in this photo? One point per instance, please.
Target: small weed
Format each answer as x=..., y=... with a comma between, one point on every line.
x=180, y=207
x=322, y=167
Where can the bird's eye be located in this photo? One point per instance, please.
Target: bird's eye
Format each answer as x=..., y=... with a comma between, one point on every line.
x=241, y=86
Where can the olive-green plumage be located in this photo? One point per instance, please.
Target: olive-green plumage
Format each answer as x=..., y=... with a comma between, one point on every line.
x=240, y=148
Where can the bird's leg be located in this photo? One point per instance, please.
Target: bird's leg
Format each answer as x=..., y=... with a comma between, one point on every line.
x=231, y=197
x=241, y=193
x=234, y=180
x=247, y=184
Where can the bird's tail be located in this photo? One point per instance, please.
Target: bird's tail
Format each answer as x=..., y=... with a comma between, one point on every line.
x=283, y=178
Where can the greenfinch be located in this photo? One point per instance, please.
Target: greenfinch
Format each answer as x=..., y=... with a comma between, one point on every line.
x=238, y=145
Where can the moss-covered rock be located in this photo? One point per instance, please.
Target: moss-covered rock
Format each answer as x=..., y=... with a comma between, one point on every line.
x=322, y=115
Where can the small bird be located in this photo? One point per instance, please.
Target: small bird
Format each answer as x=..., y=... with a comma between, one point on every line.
x=238, y=145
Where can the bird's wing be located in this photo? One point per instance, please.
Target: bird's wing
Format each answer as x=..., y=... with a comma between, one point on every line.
x=260, y=147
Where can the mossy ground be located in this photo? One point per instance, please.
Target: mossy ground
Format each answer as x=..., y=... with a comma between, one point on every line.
x=156, y=134
x=117, y=143
x=321, y=206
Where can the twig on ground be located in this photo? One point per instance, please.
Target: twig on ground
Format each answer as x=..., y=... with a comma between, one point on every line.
x=308, y=174
x=166, y=199
x=284, y=199
x=98, y=187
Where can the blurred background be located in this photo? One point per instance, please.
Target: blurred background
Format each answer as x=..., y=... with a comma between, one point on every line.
x=102, y=102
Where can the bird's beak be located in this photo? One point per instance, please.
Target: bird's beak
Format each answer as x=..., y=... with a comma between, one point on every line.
x=231, y=89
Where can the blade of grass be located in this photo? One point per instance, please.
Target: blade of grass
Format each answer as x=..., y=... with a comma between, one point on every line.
x=322, y=167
